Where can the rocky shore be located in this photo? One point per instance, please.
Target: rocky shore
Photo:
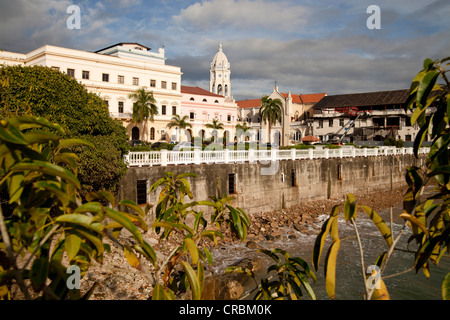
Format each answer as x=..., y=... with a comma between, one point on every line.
x=118, y=281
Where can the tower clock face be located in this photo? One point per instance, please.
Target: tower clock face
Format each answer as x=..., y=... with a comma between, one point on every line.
x=220, y=76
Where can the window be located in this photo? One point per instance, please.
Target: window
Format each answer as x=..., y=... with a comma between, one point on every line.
x=341, y=122
x=408, y=137
x=71, y=73
x=106, y=102
x=152, y=134
x=120, y=106
x=191, y=115
x=85, y=75
x=141, y=191
x=204, y=100
x=55, y=68
x=163, y=110
x=174, y=86
x=228, y=118
x=135, y=81
x=320, y=123
x=120, y=79
x=330, y=122
x=174, y=110
x=293, y=178
x=232, y=183
x=164, y=84
x=217, y=101
x=153, y=83
x=105, y=77
x=191, y=99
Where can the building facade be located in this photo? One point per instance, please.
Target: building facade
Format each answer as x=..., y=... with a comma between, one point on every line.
x=113, y=73
x=295, y=124
x=363, y=117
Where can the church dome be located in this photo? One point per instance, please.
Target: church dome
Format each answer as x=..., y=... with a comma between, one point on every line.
x=220, y=60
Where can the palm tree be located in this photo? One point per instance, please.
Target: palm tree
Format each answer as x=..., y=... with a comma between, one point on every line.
x=179, y=122
x=144, y=107
x=215, y=125
x=271, y=111
x=242, y=129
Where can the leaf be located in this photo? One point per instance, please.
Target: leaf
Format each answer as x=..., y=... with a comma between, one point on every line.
x=64, y=143
x=380, y=224
x=208, y=256
x=330, y=268
x=193, y=281
x=201, y=276
x=414, y=220
x=158, y=292
x=72, y=243
x=15, y=186
x=350, y=207
x=81, y=220
x=132, y=205
x=193, y=251
x=426, y=86
x=12, y=135
x=39, y=272
x=320, y=241
x=125, y=221
x=446, y=287
x=131, y=257
x=48, y=169
x=381, y=293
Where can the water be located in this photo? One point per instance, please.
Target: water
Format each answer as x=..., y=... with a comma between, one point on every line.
x=349, y=280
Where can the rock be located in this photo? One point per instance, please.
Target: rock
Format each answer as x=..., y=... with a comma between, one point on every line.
x=252, y=245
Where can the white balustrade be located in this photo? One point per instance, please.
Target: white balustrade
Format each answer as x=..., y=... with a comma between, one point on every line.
x=165, y=157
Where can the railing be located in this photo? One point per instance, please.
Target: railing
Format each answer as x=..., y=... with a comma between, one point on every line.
x=165, y=157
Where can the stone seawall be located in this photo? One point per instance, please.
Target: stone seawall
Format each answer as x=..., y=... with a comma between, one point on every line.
x=291, y=183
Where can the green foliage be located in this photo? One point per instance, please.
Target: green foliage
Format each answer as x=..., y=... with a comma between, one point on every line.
x=43, y=92
x=172, y=212
x=42, y=215
x=428, y=217
x=391, y=141
x=291, y=274
x=271, y=111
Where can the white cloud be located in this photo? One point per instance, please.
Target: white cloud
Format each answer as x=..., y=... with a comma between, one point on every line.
x=243, y=14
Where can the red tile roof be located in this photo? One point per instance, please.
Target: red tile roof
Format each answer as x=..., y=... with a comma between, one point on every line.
x=306, y=98
x=254, y=103
x=302, y=99
x=198, y=91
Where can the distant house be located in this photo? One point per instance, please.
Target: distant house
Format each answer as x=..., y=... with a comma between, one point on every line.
x=358, y=117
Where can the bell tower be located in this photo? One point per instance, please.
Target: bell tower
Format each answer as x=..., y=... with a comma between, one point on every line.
x=220, y=82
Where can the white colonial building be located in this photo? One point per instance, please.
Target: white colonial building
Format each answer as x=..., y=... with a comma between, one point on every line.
x=115, y=72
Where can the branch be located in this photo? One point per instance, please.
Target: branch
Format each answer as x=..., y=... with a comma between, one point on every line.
x=7, y=242
x=361, y=253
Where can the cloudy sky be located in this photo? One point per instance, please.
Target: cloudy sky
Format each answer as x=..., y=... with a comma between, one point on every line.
x=307, y=46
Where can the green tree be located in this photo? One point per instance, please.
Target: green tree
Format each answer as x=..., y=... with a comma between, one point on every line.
x=215, y=125
x=144, y=107
x=242, y=129
x=42, y=218
x=179, y=122
x=271, y=112
x=43, y=92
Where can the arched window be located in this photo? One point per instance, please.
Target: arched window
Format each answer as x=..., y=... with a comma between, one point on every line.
x=152, y=134
x=135, y=134
x=192, y=99
x=226, y=90
x=204, y=100
x=219, y=89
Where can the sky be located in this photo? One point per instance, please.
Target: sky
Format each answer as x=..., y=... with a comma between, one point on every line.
x=306, y=46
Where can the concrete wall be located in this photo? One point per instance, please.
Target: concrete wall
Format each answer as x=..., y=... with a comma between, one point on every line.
x=314, y=179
